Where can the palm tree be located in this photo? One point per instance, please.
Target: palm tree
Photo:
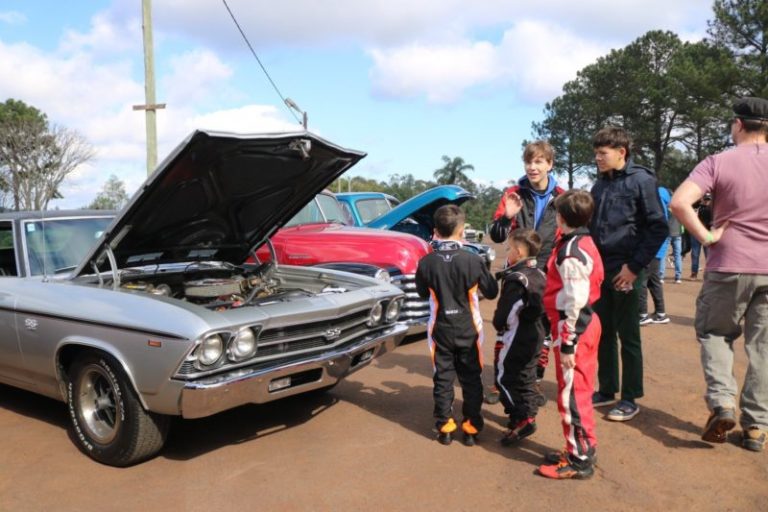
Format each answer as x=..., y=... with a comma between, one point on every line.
x=453, y=171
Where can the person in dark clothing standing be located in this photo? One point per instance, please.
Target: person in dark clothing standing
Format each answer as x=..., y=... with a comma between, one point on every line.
x=628, y=228
x=651, y=278
x=451, y=277
x=704, y=213
x=517, y=319
x=530, y=204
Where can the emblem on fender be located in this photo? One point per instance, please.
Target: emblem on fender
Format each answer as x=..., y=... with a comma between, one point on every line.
x=30, y=324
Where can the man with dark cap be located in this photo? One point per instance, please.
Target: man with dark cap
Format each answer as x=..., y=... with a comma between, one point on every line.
x=736, y=276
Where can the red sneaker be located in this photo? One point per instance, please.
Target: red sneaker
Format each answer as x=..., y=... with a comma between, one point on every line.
x=565, y=469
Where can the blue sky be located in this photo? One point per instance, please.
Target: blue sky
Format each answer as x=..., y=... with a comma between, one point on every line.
x=407, y=81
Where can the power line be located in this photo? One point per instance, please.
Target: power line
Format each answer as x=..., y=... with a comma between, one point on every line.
x=264, y=69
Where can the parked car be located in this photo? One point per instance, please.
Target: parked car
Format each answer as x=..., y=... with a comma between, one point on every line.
x=413, y=216
x=319, y=235
x=472, y=234
x=152, y=314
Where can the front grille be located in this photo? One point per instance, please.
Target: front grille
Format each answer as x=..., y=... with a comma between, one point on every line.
x=414, y=307
x=278, y=345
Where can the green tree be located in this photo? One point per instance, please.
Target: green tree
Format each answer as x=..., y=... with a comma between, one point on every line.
x=35, y=157
x=112, y=196
x=741, y=26
x=566, y=126
x=453, y=172
x=706, y=77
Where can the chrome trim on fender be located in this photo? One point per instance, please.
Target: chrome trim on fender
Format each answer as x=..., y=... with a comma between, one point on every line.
x=220, y=392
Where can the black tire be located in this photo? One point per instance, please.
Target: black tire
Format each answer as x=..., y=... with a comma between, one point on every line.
x=110, y=425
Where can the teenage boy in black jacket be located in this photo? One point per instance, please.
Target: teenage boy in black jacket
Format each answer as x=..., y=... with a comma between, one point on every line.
x=628, y=228
x=451, y=277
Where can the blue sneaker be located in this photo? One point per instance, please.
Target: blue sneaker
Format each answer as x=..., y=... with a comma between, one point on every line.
x=624, y=411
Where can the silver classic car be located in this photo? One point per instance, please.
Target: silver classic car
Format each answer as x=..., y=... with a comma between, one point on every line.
x=151, y=314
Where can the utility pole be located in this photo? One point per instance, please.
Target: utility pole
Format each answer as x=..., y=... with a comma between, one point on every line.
x=149, y=106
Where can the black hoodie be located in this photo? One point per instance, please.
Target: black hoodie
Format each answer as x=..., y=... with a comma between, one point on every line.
x=628, y=225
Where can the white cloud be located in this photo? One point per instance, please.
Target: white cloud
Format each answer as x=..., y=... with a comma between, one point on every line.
x=193, y=76
x=442, y=73
x=537, y=58
x=397, y=22
x=12, y=17
x=246, y=119
x=106, y=36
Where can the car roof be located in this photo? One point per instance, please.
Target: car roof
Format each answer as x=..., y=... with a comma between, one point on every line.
x=365, y=195
x=54, y=214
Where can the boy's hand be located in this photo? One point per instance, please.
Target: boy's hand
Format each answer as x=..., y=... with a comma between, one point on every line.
x=568, y=361
x=512, y=204
x=624, y=279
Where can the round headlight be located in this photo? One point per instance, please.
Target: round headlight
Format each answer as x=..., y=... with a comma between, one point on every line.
x=243, y=345
x=491, y=254
x=375, y=317
x=382, y=275
x=211, y=349
x=393, y=310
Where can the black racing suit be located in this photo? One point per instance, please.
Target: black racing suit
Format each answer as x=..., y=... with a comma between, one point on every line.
x=518, y=321
x=451, y=277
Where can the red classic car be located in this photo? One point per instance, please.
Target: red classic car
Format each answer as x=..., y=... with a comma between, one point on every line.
x=319, y=236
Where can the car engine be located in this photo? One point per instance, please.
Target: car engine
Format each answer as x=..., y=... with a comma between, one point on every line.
x=216, y=286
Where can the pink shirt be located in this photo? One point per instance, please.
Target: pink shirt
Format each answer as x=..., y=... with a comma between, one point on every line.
x=738, y=181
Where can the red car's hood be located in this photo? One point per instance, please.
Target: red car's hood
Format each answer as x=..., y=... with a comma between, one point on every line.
x=311, y=244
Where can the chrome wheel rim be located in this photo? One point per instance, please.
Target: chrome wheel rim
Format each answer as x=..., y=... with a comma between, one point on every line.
x=97, y=405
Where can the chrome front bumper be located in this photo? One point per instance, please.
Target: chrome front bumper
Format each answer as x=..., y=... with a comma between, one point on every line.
x=218, y=393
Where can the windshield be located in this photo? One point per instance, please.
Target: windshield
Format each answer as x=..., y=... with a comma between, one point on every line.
x=370, y=209
x=331, y=209
x=59, y=245
x=322, y=209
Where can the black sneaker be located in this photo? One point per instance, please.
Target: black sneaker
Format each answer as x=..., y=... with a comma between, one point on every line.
x=660, y=318
x=719, y=423
x=645, y=320
x=470, y=433
x=519, y=432
x=445, y=432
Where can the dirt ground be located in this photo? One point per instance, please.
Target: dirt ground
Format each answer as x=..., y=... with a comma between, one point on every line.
x=368, y=444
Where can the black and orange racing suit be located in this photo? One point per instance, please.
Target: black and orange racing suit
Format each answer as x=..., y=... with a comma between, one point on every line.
x=451, y=277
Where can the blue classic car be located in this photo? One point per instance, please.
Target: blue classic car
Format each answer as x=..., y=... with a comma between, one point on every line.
x=414, y=216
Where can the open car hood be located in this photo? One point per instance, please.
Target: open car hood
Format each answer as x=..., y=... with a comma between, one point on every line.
x=217, y=197
x=422, y=207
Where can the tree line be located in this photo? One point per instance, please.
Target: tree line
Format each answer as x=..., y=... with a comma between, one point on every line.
x=673, y=96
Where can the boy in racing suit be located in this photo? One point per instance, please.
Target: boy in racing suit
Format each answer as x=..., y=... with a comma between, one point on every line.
x=521, y=332
x=574, y=276
x=450, y=277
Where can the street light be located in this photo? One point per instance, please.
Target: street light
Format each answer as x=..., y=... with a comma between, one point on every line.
x=292, y=105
